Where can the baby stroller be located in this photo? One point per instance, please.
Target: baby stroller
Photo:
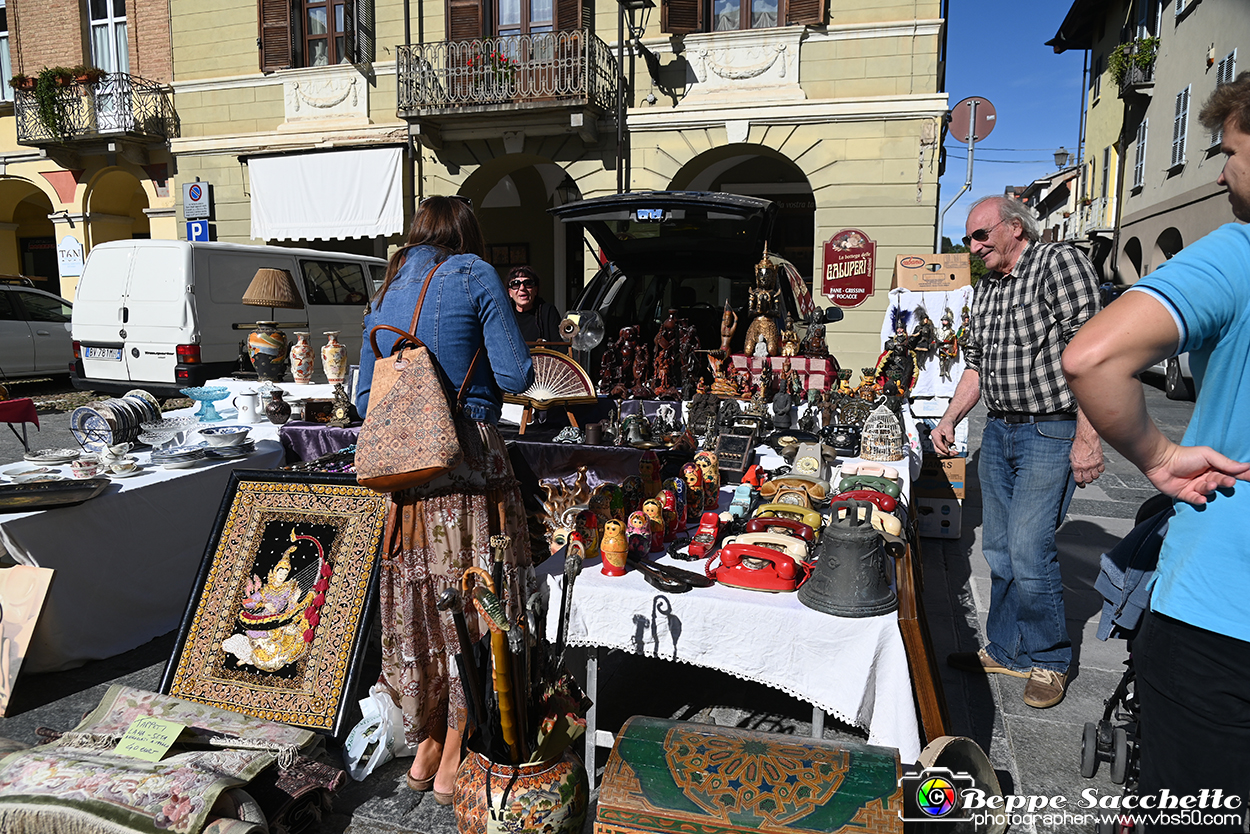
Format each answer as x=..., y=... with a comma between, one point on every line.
x=1123, y=580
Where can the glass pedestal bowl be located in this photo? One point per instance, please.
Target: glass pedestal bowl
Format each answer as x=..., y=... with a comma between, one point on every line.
x=206, y=396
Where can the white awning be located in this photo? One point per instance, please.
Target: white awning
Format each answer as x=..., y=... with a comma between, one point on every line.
x=327, y=196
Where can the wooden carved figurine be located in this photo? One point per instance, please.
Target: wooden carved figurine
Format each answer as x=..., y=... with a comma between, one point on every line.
x=789, y=338
x=615, y=548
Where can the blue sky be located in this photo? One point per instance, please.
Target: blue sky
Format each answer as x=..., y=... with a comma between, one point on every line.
x=997, y=50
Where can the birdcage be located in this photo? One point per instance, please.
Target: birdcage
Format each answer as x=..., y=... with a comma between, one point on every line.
x=882, y=436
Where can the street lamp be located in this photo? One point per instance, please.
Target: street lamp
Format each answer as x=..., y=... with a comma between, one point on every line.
x=1061, y=157
x=623, y=6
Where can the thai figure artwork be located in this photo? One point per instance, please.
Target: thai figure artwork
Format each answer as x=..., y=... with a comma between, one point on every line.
x=765, y=296
x=948, y=347
x=813, y=343
x=789, y=338
x=278, y=614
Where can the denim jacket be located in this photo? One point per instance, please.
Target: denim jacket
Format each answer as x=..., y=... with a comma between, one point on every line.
x=1125, y=576
x=465, y=307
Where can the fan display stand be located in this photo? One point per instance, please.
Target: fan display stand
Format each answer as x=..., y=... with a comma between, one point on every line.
x=558, y=380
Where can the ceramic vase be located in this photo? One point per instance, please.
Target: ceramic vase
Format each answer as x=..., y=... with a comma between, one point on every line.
x=550, y=796
x=302, y=359
x=277, y=410
x=267, y=348
x=334, y=358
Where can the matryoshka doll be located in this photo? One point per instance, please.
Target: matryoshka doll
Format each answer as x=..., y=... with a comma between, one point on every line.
x=638, y=534
x=614, y=547
x=681, y=490
x=654, y=511
x=674, y=517
x=693, y=476
x=601, y=502
x=617, y=496
x=635, y=493
x=649, y=469
x=709, y=462
x=587, y=526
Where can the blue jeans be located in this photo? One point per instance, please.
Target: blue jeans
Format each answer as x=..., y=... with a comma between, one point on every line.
x=1026, y=485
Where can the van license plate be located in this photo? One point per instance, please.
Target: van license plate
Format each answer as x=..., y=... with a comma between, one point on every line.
x=107, y=354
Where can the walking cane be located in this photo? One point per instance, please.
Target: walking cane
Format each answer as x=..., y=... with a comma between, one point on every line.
x=450, y=601
x=488, y=605
x=574, y=555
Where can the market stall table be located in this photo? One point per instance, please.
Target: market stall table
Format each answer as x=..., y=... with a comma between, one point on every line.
x=125, y=561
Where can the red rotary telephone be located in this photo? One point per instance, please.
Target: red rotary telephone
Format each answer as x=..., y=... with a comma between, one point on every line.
x=756, y=568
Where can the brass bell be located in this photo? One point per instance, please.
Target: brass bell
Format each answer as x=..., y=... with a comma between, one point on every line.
x=849, y=579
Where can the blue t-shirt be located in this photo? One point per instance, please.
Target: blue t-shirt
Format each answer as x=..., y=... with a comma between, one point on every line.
x=1203, y=576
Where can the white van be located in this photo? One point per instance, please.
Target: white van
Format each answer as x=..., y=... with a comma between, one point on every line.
x=167, y=314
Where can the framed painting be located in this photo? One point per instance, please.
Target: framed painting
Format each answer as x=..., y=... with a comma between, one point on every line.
x=282, y=606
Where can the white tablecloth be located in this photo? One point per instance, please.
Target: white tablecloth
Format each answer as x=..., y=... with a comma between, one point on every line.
x=125, y=561
x=853, y=669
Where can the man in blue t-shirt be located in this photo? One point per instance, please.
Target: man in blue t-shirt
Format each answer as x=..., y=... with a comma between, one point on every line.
x=1193, y=651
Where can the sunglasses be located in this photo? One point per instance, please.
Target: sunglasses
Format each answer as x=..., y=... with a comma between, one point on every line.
x=459, y=198
x=530, y=283
x=981, y=235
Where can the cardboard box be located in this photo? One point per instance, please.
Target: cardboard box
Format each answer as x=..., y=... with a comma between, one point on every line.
x=939, y=518
x=940, y=478
x=926, y=273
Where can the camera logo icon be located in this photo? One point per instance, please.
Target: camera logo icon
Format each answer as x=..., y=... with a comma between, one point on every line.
x=934, y=795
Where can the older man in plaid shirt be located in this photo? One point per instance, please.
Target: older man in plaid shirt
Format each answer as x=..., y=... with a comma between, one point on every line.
x=1037, y=445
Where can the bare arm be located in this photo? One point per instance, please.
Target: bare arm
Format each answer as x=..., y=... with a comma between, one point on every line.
x=1101, y=362
x=966, y=395
x=1086, y=455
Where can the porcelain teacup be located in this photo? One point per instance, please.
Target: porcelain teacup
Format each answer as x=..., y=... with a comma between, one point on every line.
x=85, y=468
x=123, y=466
x=111, y=454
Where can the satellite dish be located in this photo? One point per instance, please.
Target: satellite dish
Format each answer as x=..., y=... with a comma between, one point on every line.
x=588, y=329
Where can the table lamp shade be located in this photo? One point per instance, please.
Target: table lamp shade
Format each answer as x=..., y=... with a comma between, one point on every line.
x=273, y=288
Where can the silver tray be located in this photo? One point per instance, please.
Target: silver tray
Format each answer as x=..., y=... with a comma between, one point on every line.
x=20, y=498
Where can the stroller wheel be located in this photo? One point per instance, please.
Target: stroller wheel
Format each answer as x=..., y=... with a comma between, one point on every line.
x=1089, y=750
x=1119, y=756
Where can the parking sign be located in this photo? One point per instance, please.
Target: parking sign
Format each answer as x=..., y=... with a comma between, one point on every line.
x=197, y=230
x=196, y=204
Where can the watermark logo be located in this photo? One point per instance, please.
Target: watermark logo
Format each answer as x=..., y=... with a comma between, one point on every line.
x=934, y=794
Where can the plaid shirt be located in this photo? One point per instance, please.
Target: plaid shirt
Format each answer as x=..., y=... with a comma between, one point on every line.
x=1022, y=321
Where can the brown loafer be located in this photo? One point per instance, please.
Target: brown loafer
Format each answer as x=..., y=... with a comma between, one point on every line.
x=980, y=661
x=1045, y=688
x=442, y=798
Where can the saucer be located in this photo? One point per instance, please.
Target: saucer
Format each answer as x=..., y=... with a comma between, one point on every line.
x=138, y=470
x=14, y=471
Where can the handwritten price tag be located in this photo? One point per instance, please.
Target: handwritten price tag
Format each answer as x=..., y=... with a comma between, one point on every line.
x=149, y=738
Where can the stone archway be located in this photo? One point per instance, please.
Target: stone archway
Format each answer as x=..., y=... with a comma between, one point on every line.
x=758, y=171
x=114, y=201
x=511, y=195
x=1131, y=263
x=1167, y=245
x=27, y=236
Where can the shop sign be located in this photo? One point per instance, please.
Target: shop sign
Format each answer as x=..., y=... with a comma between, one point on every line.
x=69, y=257
x=850, y=268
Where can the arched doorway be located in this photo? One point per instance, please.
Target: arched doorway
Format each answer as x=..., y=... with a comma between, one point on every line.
x=27, y=236
x=1166, y=246
x=1130, y=265
x=115, y=201
x=757, y=171
x=511, y=196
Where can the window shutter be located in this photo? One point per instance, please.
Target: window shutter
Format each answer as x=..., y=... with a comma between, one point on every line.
x=360, y=31
x=464, y=20
x=808, y=12
x=681, y=17
x=276, y=41
x=1223, y=75
x=1180, y=126
x=568, y=15
x=1139, y=161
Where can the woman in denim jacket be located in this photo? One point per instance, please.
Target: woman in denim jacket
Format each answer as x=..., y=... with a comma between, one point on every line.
x=435, y=531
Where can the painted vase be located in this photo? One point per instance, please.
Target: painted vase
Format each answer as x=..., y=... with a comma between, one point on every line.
x=549, y=796
x=614, y=547
x=334, y=358
x=302, y=359
x=277, y=409
x=267, y=348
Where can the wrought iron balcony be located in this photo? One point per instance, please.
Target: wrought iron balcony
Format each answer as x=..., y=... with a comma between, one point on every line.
x=1139, y=69
x=553, y=69
x=118, y=106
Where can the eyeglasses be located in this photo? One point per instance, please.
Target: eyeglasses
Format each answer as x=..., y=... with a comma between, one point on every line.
x=981, y=235
x=528, y=283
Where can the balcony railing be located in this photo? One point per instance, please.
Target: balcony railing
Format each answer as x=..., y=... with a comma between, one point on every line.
x=554, y=67
x=1138, y=60
x=118, y=105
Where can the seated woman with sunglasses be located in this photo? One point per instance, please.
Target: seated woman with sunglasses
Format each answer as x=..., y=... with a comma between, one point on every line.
x=437, y=530
x=538, y=320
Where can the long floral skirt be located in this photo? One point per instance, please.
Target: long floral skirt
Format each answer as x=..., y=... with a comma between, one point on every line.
x=433, y=534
